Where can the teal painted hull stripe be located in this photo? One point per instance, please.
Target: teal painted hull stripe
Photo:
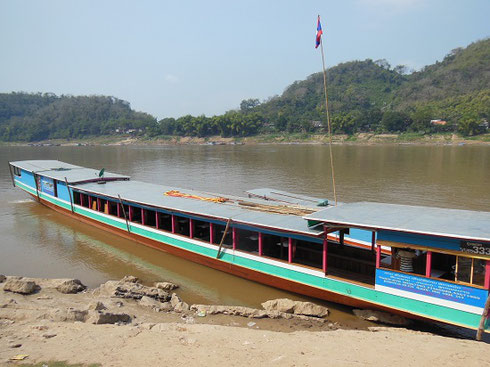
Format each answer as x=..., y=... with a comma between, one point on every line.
x=424, y=309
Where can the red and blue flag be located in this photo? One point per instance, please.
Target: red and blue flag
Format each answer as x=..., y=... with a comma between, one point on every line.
x=319, y=33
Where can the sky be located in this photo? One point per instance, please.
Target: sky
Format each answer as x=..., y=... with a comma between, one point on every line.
x=172, y=58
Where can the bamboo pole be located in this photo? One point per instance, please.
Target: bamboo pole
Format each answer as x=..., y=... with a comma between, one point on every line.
x=223, y=238
x=483, y=319
x=69, y=194
x=124, y=212
x=328, y=121
x=37, y=186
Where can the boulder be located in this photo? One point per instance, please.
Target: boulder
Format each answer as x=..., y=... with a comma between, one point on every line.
x=249, y=312
x=310, y=309
x=175, y=299
x=107, y=289
x=101, y=317
x=130, y=279
x=161, y=306
x=295, y=307
x=166, y=286
x=181, y=307
x=382, y=317
x=2, y=278
x=19, y=285
x=230, y=310
x=177, y=304
x=280, y=304
x=166, y=307
x=67, y=315
x=150, y=302
x=137, y=291
x=70, y=286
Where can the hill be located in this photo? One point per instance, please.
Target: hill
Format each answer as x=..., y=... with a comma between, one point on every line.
x=34, y=117
x=357, y=90
x=461, y=72
x=365, y=96
x=363, y=93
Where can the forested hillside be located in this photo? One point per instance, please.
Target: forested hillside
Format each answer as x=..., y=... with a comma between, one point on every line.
x=33, y=117
x=463, y=71
x=364, y=96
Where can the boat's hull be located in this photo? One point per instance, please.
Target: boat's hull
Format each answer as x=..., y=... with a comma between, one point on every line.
x=290, y=277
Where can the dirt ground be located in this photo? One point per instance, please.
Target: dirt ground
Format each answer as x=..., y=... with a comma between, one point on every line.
x=43, y=327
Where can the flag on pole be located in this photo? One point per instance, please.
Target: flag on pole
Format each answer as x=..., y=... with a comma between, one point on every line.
x=319, y=33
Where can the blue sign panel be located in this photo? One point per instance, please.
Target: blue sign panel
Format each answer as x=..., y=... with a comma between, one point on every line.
x=47, y=186
x=432, y=288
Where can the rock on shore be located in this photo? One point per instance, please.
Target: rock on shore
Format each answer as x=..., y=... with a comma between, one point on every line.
x=26, y=286
x=130, y=287
x=135, y=328
x=19, y=285
x=295, y=307
x=122, y=329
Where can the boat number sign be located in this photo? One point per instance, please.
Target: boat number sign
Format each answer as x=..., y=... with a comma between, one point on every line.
x=475, y=248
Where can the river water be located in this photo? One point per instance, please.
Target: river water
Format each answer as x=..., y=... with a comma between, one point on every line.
x=38, y=242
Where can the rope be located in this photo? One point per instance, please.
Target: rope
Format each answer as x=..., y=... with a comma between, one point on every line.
x=328, y=122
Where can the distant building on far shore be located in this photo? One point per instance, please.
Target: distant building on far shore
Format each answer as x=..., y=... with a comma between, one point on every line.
x=484, y=125
x=438, y=122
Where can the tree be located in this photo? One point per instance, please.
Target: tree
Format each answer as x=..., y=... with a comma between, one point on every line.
x=394, y=121
x=249, y=104
x=421, y=119
x=469, y=124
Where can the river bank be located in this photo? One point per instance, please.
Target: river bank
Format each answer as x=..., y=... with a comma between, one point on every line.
x=110, y=326
x=356, y=139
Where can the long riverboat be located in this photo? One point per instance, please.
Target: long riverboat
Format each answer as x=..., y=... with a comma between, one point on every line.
x=419, y=262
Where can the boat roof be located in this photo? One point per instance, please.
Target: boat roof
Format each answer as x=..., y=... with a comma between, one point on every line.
x=454, y=223
x=154, y=195
x=60, y=170
x=286, y=197
x=42, y=165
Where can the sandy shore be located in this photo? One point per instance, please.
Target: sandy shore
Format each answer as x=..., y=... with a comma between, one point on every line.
x=315, y=139
x=44, y=326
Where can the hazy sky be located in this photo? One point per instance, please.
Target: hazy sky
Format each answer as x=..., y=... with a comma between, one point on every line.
x=172, y=58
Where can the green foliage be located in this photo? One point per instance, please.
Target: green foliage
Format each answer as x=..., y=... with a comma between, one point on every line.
x=231, y=123
x=34, y=117
x=394, y=121
x=462, y=71
x=369, y=96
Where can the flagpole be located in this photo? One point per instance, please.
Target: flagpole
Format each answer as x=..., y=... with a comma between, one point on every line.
x=328, y=120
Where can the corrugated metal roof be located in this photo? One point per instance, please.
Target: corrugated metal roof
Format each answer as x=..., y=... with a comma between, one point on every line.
x=455, y=223
x=286, y=197
x=43, y=165
x=153, y=195
x=59, y=170
x=80, y=175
